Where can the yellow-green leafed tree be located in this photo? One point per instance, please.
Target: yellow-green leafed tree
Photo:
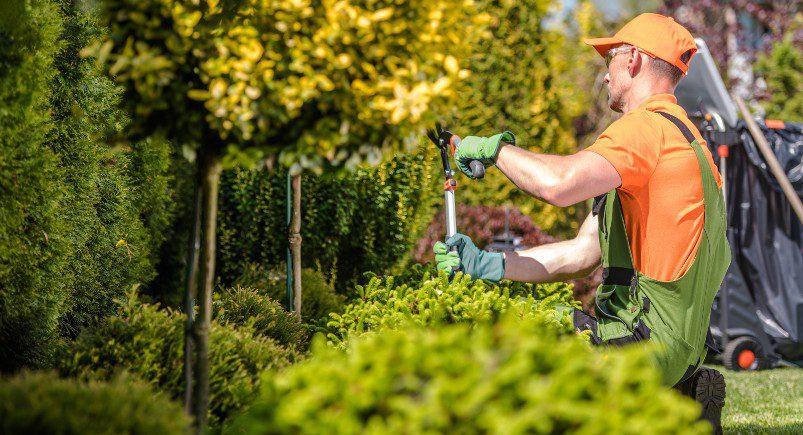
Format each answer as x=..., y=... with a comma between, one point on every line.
x=323, y=83
x=523, y=79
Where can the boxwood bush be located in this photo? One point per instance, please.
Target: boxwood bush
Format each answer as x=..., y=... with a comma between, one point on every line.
x=41, y=403
x=250, y=307
x=351, y=223
x=148, y=342
x=318, y=296
x=482, y=223
x=423, y=296
x=515, y=376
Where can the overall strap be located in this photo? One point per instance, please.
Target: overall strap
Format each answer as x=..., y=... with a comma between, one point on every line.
x=680, y=125
x=711, y=192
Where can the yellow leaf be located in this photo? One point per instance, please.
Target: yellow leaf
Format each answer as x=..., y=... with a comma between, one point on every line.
x=198, y=94
x=450, y=63
x=382, y=14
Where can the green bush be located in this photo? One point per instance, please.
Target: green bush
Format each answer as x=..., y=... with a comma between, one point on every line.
x=118, y=202
x=83, y=218
x=782, y=70
x=252, y=308
x=40, y=403
x=147, y=341
x=34, y=238
x=351, y=224
x=318, y=297
x=425, y=298
x=517, y=376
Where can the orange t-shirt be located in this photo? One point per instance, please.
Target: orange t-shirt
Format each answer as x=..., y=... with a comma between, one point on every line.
x=661, y=191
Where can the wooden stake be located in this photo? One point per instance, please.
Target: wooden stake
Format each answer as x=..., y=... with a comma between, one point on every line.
x=295, y=243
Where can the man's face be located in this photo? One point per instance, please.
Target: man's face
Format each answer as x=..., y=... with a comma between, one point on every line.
x=618, y=78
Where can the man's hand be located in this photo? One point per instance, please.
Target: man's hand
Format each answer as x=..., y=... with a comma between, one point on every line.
x=483, y=149
x=476, y=263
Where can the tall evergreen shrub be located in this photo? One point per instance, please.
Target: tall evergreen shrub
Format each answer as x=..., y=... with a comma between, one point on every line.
x=34, y=238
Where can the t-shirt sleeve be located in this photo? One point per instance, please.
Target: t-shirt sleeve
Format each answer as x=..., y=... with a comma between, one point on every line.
x=632, y=144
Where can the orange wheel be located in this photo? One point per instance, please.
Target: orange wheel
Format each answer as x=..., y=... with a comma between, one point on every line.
x=746, y=359
x=744, y=353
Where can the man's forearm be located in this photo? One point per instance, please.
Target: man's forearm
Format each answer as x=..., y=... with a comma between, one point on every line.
x=557, y=261
x=553, y=262
x=539, y=175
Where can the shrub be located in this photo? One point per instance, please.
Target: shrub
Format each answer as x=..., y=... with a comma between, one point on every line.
x=517, y=376
x=117, y=200
x=252, y=308
x=304, y=82
x=34, y=242
x=148, y=342
x=482, y=223
x=82, y=218
x=351, y=224
x=433, y=299
x=39, y=403
x=318, y=297
x=782, y=70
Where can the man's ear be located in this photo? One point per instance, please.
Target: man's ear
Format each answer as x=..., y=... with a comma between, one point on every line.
x=634, y=62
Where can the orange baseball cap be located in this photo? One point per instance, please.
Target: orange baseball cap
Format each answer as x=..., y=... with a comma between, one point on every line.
x=657, y=35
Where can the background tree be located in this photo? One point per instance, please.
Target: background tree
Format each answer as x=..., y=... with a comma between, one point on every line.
x=524, y=78
x=318, y=84
x=738, y=32
x=782, y=70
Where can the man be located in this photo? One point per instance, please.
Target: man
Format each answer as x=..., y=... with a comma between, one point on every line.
x=658, y=221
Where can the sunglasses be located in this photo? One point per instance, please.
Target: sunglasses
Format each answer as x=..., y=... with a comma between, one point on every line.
x=621, y=49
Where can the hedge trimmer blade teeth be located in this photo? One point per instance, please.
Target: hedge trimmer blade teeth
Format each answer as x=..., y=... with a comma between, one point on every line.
x=438, y=127
x=432, y=136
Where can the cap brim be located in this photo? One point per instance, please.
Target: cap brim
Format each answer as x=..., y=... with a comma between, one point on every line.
x=602, y=45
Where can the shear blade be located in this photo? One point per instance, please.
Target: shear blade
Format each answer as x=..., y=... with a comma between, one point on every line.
x=432, y=136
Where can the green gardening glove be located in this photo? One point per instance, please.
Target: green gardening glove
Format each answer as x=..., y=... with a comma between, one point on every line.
x=484, y=149
x=475, y=263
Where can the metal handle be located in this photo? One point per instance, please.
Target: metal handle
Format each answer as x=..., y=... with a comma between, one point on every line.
x=477, y=168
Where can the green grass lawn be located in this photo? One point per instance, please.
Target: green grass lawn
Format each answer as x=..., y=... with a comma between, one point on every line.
x=769, y=401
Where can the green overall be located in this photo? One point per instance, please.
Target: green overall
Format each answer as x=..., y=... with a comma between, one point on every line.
x=674, y=313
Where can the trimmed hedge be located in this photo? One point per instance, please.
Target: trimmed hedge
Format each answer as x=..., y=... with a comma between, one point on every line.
x=148, y=342
x=41, y=403
x=425, y=297
x=351, y=224
x=517, y=376
x=482, y=223
x=318, y=297
x=245, y=306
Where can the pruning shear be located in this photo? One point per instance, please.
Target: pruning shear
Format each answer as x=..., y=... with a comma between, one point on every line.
x=447, y=142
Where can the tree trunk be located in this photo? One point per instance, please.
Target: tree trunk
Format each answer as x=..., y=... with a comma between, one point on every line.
x=295, y=243
x=191, y=292
x=210, y=179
